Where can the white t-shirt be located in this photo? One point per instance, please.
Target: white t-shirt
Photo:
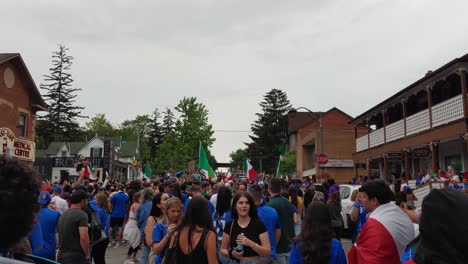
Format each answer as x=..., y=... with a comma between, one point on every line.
x=60, y=203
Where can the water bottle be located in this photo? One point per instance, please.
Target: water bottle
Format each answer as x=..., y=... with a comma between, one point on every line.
x=240, y=247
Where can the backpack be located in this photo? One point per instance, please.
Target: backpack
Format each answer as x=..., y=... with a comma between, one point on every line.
x=95, y=232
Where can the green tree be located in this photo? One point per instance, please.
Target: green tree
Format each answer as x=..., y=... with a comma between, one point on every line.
x=168, y=122
x=100, y=125
x=155, y=134
x=181, y=145
x=288, y=164
x=137, y=128
x=269, y=131
x=237, y=158
x=60, y=122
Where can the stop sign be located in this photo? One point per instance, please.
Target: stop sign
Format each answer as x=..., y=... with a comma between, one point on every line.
x=322, y=159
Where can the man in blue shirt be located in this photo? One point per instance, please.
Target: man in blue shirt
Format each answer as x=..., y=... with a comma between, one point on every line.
x=119, y=204
x=196, y=191
x=268, y=216
x=142, y=215
x=358, y=215
x=48, y=221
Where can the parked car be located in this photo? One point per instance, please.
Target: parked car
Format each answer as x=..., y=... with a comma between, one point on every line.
x=345, y=194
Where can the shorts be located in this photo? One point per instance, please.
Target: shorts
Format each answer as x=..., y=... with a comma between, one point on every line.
x=117, y=222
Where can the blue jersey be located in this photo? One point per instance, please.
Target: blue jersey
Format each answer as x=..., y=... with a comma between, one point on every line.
x=159, y=231
x=338, y=255
x=361, y=218
x=35, y=238
x=48, y=220
x=270, y=219
x=119, y=203
x=219, y=222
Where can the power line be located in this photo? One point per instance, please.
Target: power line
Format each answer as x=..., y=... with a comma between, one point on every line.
x=232, y=131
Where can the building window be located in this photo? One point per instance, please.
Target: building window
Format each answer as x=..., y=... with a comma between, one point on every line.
x=96, y=152
x=64, y=153
x=22, y=125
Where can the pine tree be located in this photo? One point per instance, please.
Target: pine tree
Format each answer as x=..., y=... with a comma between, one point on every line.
x=269, y=131
x=155, y=134
x=168, y=122
x=60, y=122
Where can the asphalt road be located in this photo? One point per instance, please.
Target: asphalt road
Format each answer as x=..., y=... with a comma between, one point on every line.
x=119, y=255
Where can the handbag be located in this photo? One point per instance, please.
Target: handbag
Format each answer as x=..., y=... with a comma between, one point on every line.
x=170, y=257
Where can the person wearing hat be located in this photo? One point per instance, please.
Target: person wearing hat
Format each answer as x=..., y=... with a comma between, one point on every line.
x=57, y=201
x=74, y=246
x=48, y=220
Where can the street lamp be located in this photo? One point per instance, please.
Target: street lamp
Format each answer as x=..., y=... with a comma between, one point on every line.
x=293, y=112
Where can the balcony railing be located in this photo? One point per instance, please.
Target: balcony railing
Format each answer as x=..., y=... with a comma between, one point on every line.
x=442, y=113
x=447, y=111
x=377, y=138
x=362, y=143
x=395, y=131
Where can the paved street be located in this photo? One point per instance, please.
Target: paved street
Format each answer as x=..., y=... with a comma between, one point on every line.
x=119, y=255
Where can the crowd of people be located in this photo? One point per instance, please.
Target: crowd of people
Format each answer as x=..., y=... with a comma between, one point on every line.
x=175, y=219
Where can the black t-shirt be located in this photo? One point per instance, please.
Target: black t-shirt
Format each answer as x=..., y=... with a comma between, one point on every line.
x=252, y=231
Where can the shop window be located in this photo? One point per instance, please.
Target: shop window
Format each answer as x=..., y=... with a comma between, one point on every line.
x=22, y=125
x=454, y=161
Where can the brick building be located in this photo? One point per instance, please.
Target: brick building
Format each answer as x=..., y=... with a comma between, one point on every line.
x=421, y=128
x=338, y=142
x=20, y=100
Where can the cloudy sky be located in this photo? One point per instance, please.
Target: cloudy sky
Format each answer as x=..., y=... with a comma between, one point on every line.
x=134, y=56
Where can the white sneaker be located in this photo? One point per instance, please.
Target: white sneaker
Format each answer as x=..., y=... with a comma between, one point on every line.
x=129, y=261
x=116, y=245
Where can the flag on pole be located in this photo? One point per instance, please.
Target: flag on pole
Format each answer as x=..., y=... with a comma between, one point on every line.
x=229, y=175
x=282, y=151
x=148, y=171
x=204, y=165
x=88, y=172
x=249, y=170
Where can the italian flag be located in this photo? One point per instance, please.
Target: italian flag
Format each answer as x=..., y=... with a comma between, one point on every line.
x=203, y=164
x=249, y=170
x=88, y=172
x=229, y=175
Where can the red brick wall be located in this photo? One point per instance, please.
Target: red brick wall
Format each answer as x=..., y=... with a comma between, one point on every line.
x=14, y=99
x=338, y=143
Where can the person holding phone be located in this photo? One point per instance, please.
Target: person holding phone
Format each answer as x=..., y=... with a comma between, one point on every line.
x=358, y=214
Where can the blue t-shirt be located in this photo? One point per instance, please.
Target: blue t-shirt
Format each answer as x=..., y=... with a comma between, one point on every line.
x=338, y=255
x=361, y=218
x=219, y=222
x=104, y=217
x=119, y=203
x=210, y=205
x=159, y=231
x=48, y=220
x=35, y=238
x=270, y=219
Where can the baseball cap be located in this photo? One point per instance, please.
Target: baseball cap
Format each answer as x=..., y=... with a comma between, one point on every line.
x=78, y=196
x=44, y=198
x=57, y=188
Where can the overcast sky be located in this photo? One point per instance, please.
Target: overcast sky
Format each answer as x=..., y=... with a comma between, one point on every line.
x=134, y=56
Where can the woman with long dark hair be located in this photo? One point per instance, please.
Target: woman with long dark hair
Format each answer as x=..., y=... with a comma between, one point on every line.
x=298, y=202
x=245, y=237
x=155, y=216
x=316, y=244
x=221, y=216
x=194, y=241
x=334, y=209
